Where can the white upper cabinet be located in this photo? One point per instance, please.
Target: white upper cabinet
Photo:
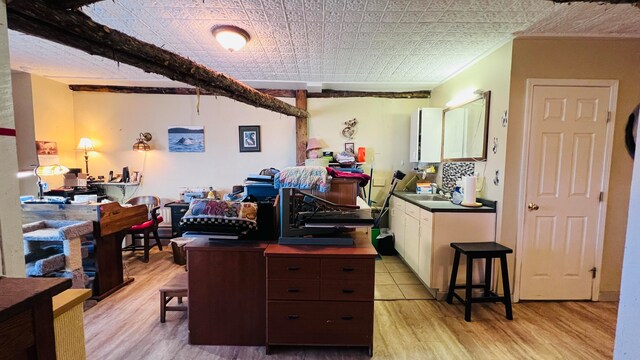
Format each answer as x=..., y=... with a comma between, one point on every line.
x=425, y=140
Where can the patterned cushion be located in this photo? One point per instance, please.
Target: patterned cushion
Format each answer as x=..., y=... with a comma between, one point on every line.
x=219, y=215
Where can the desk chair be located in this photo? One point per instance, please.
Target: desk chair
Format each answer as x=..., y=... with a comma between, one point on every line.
x=144, y=230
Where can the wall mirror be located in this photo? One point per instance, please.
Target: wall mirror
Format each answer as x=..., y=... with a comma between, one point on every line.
x=465, y=130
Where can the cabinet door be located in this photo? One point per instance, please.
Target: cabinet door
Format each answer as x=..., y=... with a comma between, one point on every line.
x=413, y=137
x=430, y=135
x=411, y=241
x=397, y=227
x=425, y=250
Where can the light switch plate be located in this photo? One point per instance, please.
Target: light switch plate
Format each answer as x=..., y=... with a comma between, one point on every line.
x=379, y=182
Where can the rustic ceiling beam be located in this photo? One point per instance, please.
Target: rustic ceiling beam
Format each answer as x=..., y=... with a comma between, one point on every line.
x=328, y=93
x=62, y=4
x=636, y=2
x=302, y=128
x=75, y=29
x=281, y=93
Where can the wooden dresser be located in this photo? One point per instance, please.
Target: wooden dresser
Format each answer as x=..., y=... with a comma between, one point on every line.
x=319, y=295
x=226, y=292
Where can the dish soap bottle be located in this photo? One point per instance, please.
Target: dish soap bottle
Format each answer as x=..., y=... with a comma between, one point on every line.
x=457, y=196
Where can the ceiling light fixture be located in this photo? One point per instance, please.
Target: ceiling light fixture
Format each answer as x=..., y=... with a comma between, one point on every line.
x=231, y=37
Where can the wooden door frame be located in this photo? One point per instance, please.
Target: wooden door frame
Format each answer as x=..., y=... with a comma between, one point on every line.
x=613, y=96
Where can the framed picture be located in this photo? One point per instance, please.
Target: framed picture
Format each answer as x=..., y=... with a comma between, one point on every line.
x=350, y=148
x=186, y=138
x=249, y=138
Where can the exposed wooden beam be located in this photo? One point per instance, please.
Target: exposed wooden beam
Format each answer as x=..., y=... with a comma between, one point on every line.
x=282, y=93
x=75, y=29
x=635, y=2
x=302, y=133
x=328, y=93
x=170, y=90
x=71, y=4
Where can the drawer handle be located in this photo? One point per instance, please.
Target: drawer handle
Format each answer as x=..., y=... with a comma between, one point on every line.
x=293, y=268
x=347, y=317
x=347, y=291
x=293, y=290
x=293, y=317
x=347, y=269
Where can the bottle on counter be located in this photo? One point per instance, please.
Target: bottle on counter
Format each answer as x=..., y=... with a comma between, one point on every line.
x=211, y=194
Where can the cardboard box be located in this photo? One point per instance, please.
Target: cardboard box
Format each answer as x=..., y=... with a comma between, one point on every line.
x=423, y=188
x=75, y=180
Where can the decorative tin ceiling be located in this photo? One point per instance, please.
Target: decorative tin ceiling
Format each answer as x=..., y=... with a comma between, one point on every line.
x=350, y=44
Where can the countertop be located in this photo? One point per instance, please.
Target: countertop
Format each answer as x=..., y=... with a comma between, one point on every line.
x=446, y=206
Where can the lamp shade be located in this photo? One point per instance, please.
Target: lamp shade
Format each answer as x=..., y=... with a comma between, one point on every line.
x=141, y=144
x=85, y=144
x=230, y=37
x=314, y=144
x=50, y=170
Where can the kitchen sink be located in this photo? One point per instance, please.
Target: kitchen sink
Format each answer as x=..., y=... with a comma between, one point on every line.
x=425, y=197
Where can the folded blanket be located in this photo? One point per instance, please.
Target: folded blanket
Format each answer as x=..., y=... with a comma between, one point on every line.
x=219, y=216
x=363, y=178
x=303, y=177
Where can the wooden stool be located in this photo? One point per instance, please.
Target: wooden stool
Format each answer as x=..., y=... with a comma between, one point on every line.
x=176, y=287
x=480, y=250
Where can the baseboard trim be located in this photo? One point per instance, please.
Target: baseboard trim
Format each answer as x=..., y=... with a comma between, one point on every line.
x=609, y=296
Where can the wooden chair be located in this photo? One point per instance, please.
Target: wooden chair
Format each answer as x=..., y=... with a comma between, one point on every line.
x=144, y=230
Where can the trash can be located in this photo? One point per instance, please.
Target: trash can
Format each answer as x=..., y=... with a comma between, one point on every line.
x=179, y=253
x=385, y=242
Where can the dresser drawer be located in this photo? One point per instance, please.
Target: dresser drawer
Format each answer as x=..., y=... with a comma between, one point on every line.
x=347, y=268
x=316, y=323
x=293, y=289
x=346, y=290
x=293, y=268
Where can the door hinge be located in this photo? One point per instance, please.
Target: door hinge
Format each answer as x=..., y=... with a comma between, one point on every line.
x=601, y=197
x=593, y=272
x=608, y=116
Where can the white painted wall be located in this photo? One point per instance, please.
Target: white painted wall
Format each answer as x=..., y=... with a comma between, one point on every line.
x=383, y=129
x=627, y=345
x=114, y=121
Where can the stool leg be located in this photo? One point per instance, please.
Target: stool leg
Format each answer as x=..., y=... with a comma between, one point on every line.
x=487, y=275
x=454, y=275
x=469, y=283
x=163, y=305
x=505, y=286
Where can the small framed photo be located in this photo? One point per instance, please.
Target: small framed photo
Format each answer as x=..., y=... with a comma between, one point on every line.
x=350, y=148
x=249, y=138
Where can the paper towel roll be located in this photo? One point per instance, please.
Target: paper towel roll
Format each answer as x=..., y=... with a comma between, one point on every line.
x=469, y=186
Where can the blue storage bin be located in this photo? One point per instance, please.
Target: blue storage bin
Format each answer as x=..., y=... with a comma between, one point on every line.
x=261, y=191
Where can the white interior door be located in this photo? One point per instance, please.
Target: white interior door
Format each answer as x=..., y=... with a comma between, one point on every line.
x=562, y=197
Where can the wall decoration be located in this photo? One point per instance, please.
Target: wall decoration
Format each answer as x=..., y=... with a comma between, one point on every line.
x=454, y=171
x=186, y=138
x=350, y=147
x=350, y=130
x=505, y=118
x=495, y=145
x=47, y=152
x=249, y=138
x=631, y=131
x=496, y=180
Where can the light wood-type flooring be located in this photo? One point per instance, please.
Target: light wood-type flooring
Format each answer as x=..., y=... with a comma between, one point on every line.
x=126, y=325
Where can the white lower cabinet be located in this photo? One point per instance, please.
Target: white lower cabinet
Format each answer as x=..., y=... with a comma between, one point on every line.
x=423, y=240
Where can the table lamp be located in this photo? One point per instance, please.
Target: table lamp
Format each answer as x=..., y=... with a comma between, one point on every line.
x=87, y=145
x=312, y=148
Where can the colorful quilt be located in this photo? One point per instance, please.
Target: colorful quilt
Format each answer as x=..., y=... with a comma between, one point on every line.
x=303, y=177
x=214, y=215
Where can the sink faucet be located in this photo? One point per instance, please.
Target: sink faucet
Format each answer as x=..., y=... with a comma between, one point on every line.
x=435, y=189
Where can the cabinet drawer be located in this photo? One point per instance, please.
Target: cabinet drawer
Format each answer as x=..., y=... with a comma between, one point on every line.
x=316, y=323
x=349, y=290
x=347, y=268
x=292, y=289
x=293, y=268
x=426, y=215
x=412, y=210
x=397, y=203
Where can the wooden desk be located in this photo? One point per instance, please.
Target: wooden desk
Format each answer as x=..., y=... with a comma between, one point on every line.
x=226, y=292
x=110, y=224
x=321, y=295
x=26, y=317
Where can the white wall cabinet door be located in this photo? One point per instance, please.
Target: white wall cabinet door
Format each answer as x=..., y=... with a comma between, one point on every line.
x=425, y=137
x=396, y=222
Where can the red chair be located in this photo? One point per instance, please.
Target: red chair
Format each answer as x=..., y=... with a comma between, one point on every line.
x=144, y=230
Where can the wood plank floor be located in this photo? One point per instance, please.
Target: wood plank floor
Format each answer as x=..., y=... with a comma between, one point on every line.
x=126, y=325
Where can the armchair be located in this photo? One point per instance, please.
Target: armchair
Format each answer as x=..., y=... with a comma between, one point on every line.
x=144, y=230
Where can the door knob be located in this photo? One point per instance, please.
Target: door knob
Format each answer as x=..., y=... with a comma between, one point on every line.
x=533, y=207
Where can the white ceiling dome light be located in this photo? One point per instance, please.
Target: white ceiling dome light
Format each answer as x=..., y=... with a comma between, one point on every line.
x=231, y=37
